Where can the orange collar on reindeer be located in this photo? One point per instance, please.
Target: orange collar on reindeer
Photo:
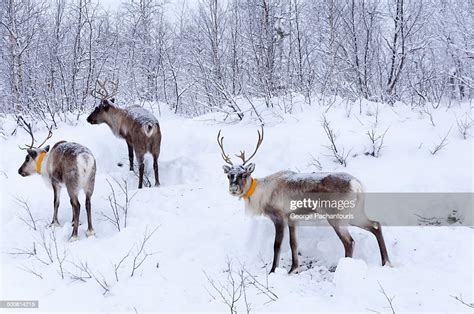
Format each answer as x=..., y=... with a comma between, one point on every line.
x=253, y=186
x=40, y=160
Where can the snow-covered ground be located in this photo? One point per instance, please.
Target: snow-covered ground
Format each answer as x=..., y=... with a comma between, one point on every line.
x=204, y=245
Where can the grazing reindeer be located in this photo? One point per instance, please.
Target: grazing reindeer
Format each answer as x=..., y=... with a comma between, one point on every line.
x=271, y=195
x=69, y=164
x=135, y=124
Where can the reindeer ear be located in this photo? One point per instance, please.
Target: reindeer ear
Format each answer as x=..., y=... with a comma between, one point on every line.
x=226, y=168
x=106, y=105
x=32, y=153
x=249, y=168
x=46, y=149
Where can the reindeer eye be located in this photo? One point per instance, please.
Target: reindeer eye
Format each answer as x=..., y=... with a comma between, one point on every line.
x=27, y=158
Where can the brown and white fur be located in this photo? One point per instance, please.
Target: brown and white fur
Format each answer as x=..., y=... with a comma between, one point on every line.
x=66, y=164
x=273, y=194
x=137, y=126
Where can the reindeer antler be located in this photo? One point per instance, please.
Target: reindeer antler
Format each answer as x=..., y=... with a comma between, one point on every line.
x=50, y=133
x=220, y=141
x=27, y=127
x=102, y=93
x=242, y=152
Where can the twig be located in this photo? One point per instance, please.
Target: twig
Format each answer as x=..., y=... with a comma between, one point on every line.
x=265, y=289
x=471, y=305
x=441, y=145
x=117, y=266
x=114, y=206
x=315, y=163
x=376, y=141
x=84, y=268
x=30, y=221
x=465, y=125
x=389, y=299
x=32, y=270
x=231, y=292
x=59, y=258
x=339, y=155
x=47, y=248
x=17, y=251
x=429, y=114
x=140, y=256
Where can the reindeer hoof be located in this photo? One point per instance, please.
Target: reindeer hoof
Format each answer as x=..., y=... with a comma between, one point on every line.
x=387, y=264
x=90, y=233
x=73, y=239
x=55, y=224
x=294, y=270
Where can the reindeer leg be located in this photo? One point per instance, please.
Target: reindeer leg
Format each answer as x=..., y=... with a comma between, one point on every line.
x=130, y=155
x=375, y=228
x=155, y=169
x=141, y=170
x=279, y=232
x=89, y=190
x=76, y=206
x=73, y=191
x=57, y=192
x=90, y=229
x=294, y=250
x=346, y=239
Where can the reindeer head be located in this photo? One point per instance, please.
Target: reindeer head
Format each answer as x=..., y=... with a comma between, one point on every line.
x=34, y=154
x=238, y=175
x=106, y=101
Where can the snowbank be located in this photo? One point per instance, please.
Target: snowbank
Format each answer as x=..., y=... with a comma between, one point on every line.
x=203, y=239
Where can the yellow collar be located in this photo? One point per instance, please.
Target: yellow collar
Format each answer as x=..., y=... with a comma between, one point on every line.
x=40, y=160
x=249, y=193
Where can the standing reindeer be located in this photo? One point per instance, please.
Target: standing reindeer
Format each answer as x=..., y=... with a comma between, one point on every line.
x=271, y=195
x=135, y=124
x=69, y=164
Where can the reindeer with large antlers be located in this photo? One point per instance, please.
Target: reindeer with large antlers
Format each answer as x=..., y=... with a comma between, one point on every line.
x=66, y=163
x=135, y=124
x=277, y=195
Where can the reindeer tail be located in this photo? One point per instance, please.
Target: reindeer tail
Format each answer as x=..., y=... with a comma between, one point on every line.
x=149, y=129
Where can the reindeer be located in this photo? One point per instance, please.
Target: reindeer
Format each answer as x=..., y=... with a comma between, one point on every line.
x=271, y=195
x=135, y=124
x=69, y=164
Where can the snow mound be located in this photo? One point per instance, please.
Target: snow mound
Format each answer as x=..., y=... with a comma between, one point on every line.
x=350, y=273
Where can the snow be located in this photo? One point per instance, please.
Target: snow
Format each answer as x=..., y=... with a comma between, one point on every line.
x=141, y=115
x=316, y=176
x=201, y=228
x=73, y=148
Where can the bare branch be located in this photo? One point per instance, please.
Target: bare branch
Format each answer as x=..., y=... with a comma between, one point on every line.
x=465, y=125
x=30, y=221
x=471, y=305
x=438, y=147
x=389, y=299
x=339, y=154
x=141, y=255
